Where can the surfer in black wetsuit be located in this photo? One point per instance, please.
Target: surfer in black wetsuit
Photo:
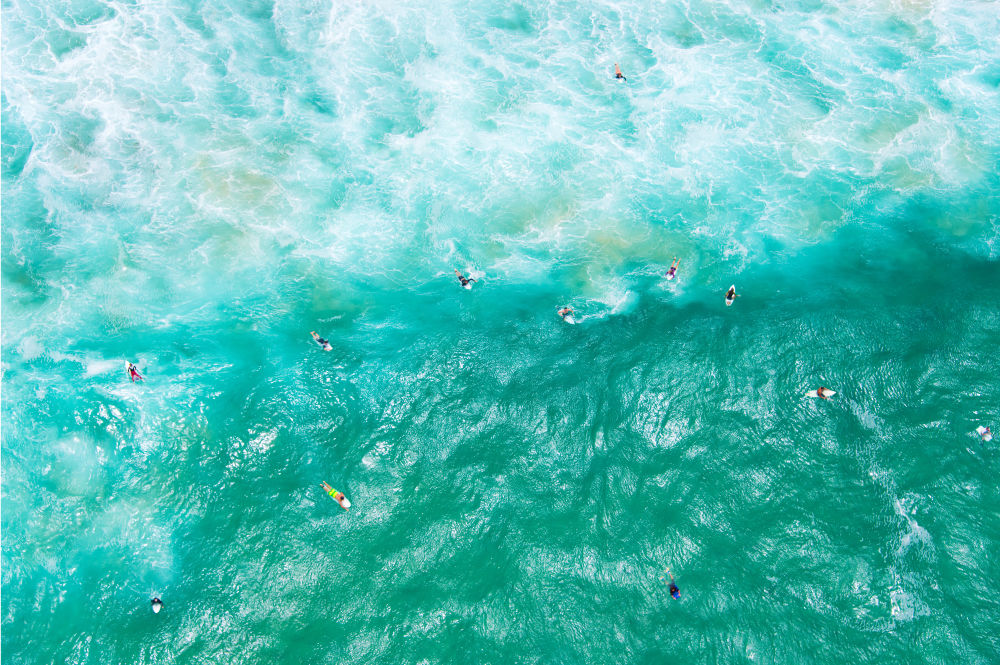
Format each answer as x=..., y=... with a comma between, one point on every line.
x=157, y=605
x=464, y=280
x=675, y=593
x=618, y=73
x=325, y=343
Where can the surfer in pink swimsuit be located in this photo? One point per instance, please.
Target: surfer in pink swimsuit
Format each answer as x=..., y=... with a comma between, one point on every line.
x=133, y=373
x=673, y=269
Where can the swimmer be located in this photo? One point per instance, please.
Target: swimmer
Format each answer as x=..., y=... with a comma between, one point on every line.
x=133, y=372
x=466, y=281
x=984, y=433
x=673, y=269
x=675, y=593
x=325, y=343
x=338, y=496
x=157, y=605
x=618, y=73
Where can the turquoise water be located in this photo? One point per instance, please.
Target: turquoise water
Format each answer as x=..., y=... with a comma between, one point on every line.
x=195, y=187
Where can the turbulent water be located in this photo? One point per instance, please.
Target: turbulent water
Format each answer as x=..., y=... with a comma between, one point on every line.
x=194, y=187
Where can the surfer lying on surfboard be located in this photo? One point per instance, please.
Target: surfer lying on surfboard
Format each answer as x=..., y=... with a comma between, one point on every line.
x=338, y=496
x=731, y=295
x=157, y=605
x=823, y=393
x=133, y=372
x=325, y=343
x=675, y=593
x=466, y=281
x=985, y=433
x=567, y=314
x=673, y=269
x=618, y=73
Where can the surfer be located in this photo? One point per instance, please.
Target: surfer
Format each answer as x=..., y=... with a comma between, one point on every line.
x=985, y=433
x=731, y=295
x=325, y=343
x=338, y=496
x=157, y=605
x=133, y=372
x=466, y=281
x=822, y=392
x=675, y=593
x=673, y=269
x=566, y=311
x=618, y=73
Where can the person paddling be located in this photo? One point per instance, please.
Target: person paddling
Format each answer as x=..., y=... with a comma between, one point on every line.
x=157, y=605
x=133, y=372
x=466, y=281
x=675, y=593
x=823, y=393
x=618, y=73
x=673, y=269
x=566, y=312
x=325, y=343
x=337, y=496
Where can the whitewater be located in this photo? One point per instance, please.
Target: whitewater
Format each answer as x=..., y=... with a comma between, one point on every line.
x=195, y=187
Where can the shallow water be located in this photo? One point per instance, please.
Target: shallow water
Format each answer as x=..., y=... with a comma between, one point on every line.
x=196, y=187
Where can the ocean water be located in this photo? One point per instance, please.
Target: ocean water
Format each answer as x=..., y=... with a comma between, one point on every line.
x=194, y=187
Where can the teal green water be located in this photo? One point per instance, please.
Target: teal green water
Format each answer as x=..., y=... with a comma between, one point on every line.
x=195, y=187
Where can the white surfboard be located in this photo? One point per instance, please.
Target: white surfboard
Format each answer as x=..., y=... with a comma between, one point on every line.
x=985, y=433
x=569, y=319
x=729, y=301
x=468, y=286
x=826, y=393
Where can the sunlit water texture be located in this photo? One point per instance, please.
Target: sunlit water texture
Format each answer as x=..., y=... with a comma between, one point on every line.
x=194, y=187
